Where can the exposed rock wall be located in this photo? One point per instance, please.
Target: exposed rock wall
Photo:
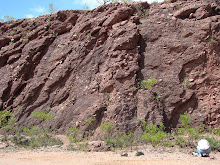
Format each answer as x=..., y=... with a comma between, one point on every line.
x=83, y=64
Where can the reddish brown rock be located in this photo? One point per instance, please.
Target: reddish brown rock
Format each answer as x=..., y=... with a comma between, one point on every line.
x=84, y=64
x=204, y=12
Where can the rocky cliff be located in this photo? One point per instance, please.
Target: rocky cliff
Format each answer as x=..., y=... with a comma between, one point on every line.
x=90, y=64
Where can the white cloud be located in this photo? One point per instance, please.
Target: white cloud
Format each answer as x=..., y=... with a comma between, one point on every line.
x=29, y=16
x=95, y=3
x=39, y=10
x=91, y=3
x=150, y=1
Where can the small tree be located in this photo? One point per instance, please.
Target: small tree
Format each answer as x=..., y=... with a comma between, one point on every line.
x=43, y=116
x=186, y=134
x=73, y=135
x=52, y=8
x=7, y=18
x=108, y=128
x=86, y=7
x=8, y=126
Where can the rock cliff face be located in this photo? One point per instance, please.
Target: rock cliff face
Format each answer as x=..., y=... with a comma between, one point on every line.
x=89, y=64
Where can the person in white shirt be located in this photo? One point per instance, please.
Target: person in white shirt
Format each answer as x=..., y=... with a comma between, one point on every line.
x=203, y=147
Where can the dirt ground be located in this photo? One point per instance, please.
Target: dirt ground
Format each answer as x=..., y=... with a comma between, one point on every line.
x=59, y=157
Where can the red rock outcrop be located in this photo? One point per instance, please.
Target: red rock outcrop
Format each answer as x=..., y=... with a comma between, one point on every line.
x=83, y=64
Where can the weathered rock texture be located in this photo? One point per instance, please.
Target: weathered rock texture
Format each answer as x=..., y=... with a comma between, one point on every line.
x=84, y=64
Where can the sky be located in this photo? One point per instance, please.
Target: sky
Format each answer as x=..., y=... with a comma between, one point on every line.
x=33, y=8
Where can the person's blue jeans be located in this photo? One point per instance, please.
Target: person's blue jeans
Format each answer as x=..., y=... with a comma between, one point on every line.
x=200, y=152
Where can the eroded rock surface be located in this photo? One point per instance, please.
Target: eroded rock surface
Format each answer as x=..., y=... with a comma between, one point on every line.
x=84, y=64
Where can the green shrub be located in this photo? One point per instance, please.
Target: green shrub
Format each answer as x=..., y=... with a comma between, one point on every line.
x=42, y=116
x=40, y=141
x=212, y=41
x=90, y=120
x=185, y=120
x=157, y=96
x=39, y=138
x=26, y=40
x=184, y=142
x=108, y=129
x=168, y=144
x=52, y=8
x=141, y=12
x=107, y=95
x=36, y=137
x=214, y=144
x=215, y=131
x=9, y=128
x=154, y=134
x=32, y=130
x=86, y=7
x=186, y=134
x=7, y=18
x=116, y=139
x=4, y=117
x=147, y=84
x=186, y=128
x=121, y=140
x=89, y=36
x=180, y=140
x=186, y=82
x=83, y=146
x=73, y=134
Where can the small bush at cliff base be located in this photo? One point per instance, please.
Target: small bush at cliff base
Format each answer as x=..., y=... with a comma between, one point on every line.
x=186, y=127
x=187, y=136
x=153, y=134
x=215, y=131
x=214, y=144
x=73, y=135
x=107, y=129
x=77, y=141
x=4, y=117
x=116, y=139
x=43, y=116
x=122, y=140
x=10, y=131
x=40, y=141
x=38, y=138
